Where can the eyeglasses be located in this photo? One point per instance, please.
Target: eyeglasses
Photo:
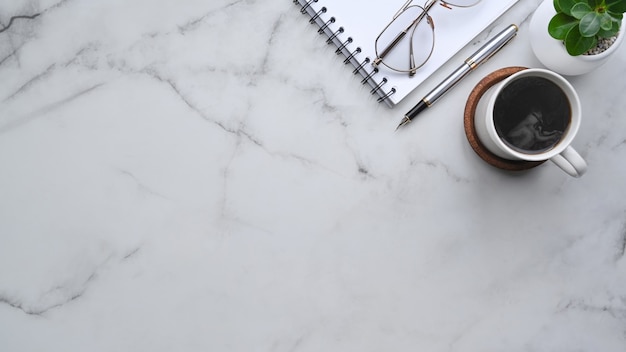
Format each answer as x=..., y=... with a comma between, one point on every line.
x=408, y=41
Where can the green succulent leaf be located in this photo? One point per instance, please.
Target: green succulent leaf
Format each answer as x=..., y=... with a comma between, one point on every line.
x=581, y=9
x=594, y=3
x=602, y=33
x=590, y=24
x=579, y=23
x=560, y=25
x=566, y=5
x=617, y=6
x=606, y=22
x=576, y=44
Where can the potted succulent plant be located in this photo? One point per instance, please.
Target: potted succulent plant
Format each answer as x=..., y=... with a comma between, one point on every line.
x=573, y=37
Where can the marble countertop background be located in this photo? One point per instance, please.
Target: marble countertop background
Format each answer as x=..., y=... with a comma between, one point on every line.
x=207, y=176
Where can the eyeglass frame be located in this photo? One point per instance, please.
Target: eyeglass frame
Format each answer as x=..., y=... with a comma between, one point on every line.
x=427, y=6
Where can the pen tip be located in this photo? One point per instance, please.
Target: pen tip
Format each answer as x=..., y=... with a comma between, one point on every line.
x=404, y=121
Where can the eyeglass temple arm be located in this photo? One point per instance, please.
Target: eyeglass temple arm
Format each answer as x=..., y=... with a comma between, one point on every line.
x=445, y=4
x=397, y=39
x=402, y=8
x=386, y=51
x=412, y=66
x=427, y=6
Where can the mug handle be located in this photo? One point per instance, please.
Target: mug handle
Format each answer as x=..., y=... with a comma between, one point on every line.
x=571, y=162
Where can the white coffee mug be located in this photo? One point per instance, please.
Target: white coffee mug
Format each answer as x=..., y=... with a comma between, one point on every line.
x=529, y=127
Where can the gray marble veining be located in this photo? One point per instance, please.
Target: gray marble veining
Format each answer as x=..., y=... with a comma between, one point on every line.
x=208, y=176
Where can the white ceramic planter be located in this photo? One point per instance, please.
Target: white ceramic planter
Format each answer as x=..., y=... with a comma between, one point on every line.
x=551, y=52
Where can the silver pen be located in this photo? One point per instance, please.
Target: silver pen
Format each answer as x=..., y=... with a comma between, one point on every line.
x=480, y=56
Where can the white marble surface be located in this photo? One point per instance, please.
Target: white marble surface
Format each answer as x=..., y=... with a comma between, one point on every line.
x=207, y=176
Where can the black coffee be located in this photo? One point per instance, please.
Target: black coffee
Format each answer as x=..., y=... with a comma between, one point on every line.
x=531, y=114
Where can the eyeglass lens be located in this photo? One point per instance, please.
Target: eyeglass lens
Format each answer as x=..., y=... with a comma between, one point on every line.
x=413, y=49
x=418, y=39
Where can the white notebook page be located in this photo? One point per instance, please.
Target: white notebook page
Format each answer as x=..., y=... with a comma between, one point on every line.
x=363, y=20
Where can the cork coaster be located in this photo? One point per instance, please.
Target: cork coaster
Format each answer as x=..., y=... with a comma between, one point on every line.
x=470, y=130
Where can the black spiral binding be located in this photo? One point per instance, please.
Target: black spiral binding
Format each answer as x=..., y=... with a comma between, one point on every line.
x=351, y=56
x=306, y=6
x=342, y=47
x=317, y=15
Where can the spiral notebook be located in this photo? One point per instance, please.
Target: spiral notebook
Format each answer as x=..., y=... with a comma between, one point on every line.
x=353, y=25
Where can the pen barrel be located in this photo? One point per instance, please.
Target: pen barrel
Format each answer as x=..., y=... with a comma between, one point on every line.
x=481, y=55
x=492, y=46
x=448, y=83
